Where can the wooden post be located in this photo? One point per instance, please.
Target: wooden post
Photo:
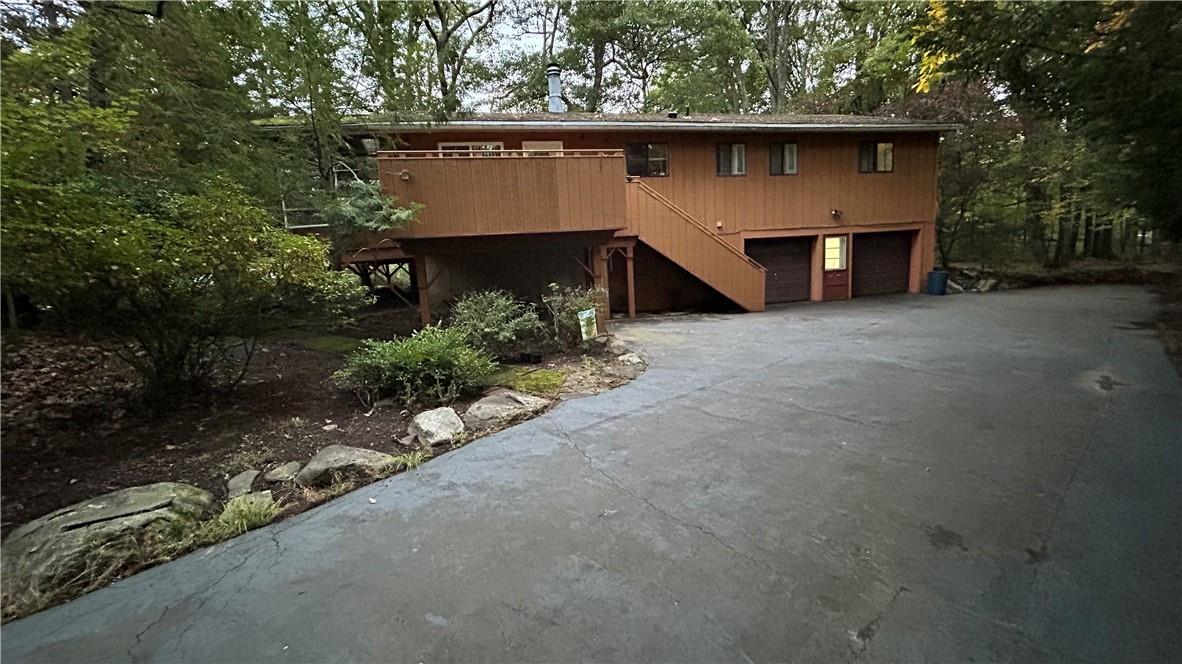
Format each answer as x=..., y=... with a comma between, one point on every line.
x=424, y=287
x=631, y=283
x=600, y=276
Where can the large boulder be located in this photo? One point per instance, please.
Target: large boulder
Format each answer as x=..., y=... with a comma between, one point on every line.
x=438, y=426
x=62, y=541
x=343, y=459
x=502, y=406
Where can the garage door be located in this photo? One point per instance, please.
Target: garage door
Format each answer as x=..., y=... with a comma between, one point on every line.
x=787, y=262
x=882, y=263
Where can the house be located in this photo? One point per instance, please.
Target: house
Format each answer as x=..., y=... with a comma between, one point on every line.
x=662, y=211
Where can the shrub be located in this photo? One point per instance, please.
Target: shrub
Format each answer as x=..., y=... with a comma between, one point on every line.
x=190, y=280
x=433, y=366
x=495, y=321
x=564, y=305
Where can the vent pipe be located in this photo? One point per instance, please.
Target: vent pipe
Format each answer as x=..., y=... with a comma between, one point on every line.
x=554, y=86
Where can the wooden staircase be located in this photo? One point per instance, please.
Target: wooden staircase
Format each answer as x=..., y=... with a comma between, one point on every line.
x=678, y=236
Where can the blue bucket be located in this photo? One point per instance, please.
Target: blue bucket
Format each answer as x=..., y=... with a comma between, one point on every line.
x=937, y=282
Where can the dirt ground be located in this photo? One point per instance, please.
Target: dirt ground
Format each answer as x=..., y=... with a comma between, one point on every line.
x=71, y=427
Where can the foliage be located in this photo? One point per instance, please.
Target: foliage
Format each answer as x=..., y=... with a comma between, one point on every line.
x=1060, y=60
x=239, y=515
x=410, y=460
x=433, y=366
x=191, y=280
x=564, y=304
x=542, y=382
x=495, y=321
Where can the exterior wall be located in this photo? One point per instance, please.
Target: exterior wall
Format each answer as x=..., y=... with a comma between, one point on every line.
x=827, y=178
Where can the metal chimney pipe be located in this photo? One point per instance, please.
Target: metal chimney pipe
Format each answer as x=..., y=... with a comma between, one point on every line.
x=554, y=85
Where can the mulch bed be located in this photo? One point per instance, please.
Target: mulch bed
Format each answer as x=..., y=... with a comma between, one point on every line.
x=72, y=429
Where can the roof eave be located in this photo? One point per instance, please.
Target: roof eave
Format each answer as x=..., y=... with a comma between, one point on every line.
x=651, y=126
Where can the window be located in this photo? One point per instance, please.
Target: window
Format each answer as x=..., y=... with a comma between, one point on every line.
x=647, y=159
x=732, y=159
x=876, y=157
x=543, y=147
x=472, y=148
x=835, y=252
x=782, y=159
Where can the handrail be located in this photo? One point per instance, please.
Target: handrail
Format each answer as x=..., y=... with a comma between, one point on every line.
x=689, y=218
x=497, y=154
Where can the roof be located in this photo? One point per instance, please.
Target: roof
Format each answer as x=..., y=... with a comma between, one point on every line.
x=634, y=122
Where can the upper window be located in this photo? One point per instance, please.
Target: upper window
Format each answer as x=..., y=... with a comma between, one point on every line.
x=782, y=159
x=472, y=148
x=732, y=159
x=876, y=157
x=835, y=252
x=647, y=159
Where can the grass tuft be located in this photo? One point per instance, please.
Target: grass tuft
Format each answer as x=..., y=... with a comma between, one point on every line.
x=542, y=382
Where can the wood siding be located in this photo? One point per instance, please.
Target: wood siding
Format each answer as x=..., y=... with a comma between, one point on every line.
x=679, y=237
x=511, y=194
x=827, y=177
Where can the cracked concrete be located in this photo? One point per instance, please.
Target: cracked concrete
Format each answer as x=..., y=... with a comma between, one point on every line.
x=767, y=490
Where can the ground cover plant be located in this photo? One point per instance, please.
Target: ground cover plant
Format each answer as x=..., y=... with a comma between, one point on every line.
x=433, y=366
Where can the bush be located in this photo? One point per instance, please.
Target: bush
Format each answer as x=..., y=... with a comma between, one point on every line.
x=191, y=279
x=432, y=367
x=495, y=321
x=564, y=305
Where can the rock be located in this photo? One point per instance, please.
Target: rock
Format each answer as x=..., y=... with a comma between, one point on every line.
x=624, y=371
x=616, y=347
x=241, y=484
x=285, y=473
x=438, y=426
x=630, y=358
x=330, y=427
x=63, y=540
x=408, y=441
x=987, y=284
x=342, y=458
x=502, y=406
x=953, y=288
x=259, y=498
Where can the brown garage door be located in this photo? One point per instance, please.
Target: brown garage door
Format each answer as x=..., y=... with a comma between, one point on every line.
x=882, y=263
x=787, y=262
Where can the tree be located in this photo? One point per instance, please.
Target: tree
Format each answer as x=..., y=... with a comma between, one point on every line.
x=125, y=195
x=1062, y=61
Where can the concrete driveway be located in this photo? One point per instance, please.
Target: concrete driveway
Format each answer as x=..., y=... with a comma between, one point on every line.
x=985, y=477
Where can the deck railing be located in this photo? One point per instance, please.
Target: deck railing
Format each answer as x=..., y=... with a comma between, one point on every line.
x=497, y=192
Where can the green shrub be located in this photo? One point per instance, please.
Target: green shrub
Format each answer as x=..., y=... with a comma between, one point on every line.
x=564, y=305
x=495, y=321
x=434, y=366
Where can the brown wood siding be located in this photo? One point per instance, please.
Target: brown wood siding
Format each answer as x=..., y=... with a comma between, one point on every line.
x=788, y=262
x=464, y=196
x=881, y=263
x=827, y=178
x=681, y=239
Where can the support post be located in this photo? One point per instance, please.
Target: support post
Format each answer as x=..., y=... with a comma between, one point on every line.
x=424, y=287
x=631, y=282
x=600, y=276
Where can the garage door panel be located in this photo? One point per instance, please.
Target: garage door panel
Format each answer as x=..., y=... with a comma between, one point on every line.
x=881, y=263
x=787, y=261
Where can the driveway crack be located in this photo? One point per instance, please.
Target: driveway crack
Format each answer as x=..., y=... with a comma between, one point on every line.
x=866, y=634
x=614, y=481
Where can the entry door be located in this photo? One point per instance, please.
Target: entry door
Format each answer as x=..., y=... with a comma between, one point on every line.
x=837, y=272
